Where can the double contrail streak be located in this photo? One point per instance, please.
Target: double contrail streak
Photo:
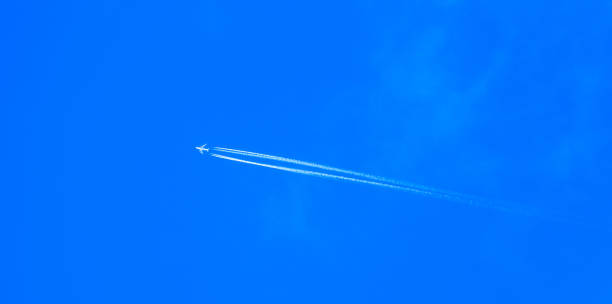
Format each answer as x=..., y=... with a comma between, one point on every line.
x=414, y=187
x=318, y=174
x=318, y=170
x=303, y=163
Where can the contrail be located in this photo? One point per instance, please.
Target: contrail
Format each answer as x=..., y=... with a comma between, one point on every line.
x=307, y=164
x=358, y=177
x=425, y=192
x=318, y=174
x=424, y=189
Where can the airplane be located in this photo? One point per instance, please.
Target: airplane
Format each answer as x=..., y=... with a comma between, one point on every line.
x=202, y=149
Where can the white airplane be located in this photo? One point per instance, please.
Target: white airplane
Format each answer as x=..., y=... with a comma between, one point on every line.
x=202, y=149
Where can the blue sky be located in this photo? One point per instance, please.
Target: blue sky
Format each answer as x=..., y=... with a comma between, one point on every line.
x=105, y=101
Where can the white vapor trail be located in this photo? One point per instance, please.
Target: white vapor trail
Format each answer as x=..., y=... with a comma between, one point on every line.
x=438, y=193
x=318, y=170
x=359, y=178
x=319, y=174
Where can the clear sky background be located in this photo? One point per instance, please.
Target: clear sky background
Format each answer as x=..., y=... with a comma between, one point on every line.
x=108, y=202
